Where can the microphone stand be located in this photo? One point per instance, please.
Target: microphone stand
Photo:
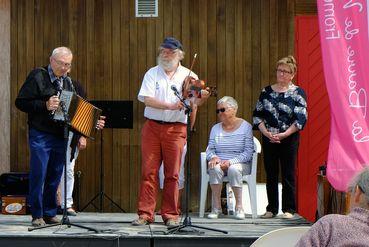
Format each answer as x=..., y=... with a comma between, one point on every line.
x=65, y=218
x=187, y=227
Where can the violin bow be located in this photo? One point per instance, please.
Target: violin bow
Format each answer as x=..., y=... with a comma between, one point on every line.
x=193, y=62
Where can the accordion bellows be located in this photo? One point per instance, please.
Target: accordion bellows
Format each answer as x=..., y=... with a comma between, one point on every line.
x=82, y=115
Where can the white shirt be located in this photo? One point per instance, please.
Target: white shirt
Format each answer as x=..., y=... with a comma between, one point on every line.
x=157, y=84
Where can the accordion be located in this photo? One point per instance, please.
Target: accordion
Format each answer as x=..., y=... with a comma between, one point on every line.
x=82, y=115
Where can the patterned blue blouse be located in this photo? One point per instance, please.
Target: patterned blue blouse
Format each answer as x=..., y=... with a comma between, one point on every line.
x=279, y=111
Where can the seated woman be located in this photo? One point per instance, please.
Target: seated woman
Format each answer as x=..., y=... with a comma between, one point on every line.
x=229, y=153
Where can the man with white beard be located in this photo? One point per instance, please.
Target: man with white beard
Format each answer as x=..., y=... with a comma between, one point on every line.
x=163, y=135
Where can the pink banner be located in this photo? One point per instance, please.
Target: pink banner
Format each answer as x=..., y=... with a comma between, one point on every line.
x=345, y=50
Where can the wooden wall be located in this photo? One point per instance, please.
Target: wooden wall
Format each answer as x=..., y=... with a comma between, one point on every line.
x=238, y=43
x=5, y=86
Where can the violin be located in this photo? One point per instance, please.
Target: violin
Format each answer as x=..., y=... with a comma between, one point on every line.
x=192, y=87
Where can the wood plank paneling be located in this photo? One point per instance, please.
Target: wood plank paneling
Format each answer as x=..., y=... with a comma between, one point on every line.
x=239, y=62
x=237, y=41
x=5, y=88
x=247, y=60
x=15, y=120
x=22, y=72
x=124, y=93
x=305, y=7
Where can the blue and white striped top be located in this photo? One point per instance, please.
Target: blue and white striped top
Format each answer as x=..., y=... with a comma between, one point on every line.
x=236, y=146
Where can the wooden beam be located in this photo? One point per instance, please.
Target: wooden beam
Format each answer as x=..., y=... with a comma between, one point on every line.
x=5, y=86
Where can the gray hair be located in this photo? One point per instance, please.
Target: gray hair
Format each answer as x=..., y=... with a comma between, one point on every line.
x=231, y=102
x=61, y=51
x=181, y=54
x=361, y=180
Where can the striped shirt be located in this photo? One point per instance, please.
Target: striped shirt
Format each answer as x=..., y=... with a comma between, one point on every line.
x=236, y=146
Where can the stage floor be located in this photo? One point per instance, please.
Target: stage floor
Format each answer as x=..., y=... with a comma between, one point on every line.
x=116, y=230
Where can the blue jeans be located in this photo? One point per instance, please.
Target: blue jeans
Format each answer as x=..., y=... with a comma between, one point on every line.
x=46, y=167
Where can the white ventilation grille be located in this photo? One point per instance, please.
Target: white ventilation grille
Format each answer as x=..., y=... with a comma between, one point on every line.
x=146, y=8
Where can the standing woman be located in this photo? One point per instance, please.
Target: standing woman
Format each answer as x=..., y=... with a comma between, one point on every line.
x=280, y=114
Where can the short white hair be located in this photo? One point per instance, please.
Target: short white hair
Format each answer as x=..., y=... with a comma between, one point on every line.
x=180, y=54
x=230, y=101
x=361, y=180
x=61, y=51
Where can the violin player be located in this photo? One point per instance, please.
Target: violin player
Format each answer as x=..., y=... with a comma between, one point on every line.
x=163, y=134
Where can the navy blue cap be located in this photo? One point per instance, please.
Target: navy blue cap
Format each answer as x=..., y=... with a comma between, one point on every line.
x=171, y=43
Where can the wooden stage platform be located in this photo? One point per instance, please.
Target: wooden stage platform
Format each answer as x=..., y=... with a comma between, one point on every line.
x=116, y=230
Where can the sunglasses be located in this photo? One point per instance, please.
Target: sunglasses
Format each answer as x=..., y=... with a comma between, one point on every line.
x=220, y=110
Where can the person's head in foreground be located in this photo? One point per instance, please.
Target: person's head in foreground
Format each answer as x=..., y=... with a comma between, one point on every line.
x=344, y=230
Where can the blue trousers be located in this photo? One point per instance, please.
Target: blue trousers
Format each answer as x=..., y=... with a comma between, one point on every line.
x=46, y=167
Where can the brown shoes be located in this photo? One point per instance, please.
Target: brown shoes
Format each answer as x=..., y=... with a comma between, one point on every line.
x=37, y=222
x=287, y=215
x=71, y=212
x=51, y=220
x=268, y=215
x=140, y=222
x=171, y=222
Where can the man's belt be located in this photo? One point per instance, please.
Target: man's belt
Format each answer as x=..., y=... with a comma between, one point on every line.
x=163, y=122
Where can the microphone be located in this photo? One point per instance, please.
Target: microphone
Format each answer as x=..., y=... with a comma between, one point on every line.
x=58, y=95
x=176, y=93
x=175, y=90
x=59, y=89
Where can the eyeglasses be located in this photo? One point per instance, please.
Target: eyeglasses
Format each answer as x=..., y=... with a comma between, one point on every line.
x=220, y=110
x=353, y=188
x=282, y=71
x=167, y=51
x=62, y=64
x=361, y=188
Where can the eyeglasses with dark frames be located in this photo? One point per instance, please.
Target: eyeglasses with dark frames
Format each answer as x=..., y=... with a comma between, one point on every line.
x=282, y=71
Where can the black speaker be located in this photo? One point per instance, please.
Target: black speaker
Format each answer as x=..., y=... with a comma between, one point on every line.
x=14, y=183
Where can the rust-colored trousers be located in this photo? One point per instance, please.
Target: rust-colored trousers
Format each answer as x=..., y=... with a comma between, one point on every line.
x=160, y=142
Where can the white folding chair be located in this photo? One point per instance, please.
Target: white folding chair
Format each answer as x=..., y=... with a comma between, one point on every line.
x=249, y=179
x=287, y=236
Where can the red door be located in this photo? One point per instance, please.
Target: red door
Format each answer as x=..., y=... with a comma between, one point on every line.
x=314, y=142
